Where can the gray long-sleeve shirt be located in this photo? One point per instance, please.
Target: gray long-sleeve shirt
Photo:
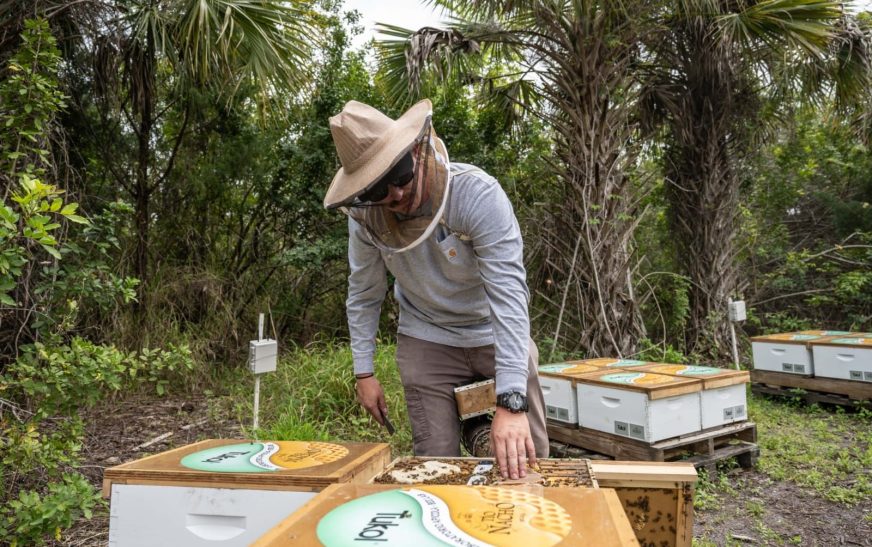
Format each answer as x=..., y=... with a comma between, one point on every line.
x=450, y=291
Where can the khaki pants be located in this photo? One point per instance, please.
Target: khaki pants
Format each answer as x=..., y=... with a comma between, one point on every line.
x=431, y=371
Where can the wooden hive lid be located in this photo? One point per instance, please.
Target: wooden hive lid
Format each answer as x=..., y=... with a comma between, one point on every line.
x=656, y=386
x=269, y=465
x=613, y=474
x=349, y=514
x=801, y=338
x=712, y=377
x=570, y=369
x=854, y=341
x=567, y=370
x=609, y=362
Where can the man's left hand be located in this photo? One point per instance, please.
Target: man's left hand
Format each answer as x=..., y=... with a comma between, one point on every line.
x=512, y=443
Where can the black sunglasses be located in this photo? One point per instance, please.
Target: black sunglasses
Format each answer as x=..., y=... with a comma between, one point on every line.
x=400, y=175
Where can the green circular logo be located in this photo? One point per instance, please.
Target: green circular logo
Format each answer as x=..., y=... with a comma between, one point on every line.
x=386, y=518
x=701, y=370
x=231, y=458
x=558, y=367
x=627, y=363
x=622, y=377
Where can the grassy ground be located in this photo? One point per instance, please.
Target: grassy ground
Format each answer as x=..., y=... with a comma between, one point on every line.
x=811, y=485
x=311, y=397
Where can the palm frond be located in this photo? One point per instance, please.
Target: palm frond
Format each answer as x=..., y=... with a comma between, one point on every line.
x=511, y=98
x=414, y=59
x=778, y=23
x=265, y=42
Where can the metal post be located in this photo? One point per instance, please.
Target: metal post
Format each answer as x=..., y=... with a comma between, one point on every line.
x=257, y=380
x=256, y=401
x=735, y=348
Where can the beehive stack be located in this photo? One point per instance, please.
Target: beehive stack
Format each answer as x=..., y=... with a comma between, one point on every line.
x=844, y=357
x=227, y=490
x=723, y=399
x=558, y=385
x=637, y=404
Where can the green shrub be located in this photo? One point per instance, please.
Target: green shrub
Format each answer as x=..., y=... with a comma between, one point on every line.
x=41, y=430
x=33, y=516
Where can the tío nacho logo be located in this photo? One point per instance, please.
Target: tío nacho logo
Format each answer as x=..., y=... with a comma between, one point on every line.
x=264, y=457
x=431, y=516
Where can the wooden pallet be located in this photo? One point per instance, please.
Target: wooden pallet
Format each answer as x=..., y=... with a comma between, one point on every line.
x=812, y=390
x=704, y=449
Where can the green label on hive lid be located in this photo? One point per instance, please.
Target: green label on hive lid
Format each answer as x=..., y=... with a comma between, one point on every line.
x=569, y=369
x=557, y=367
x=637, y=378
x=792, y=337
x=686, y=370
x=854, y=341
x=433, y=516
x=264, y=457
x=626, y=363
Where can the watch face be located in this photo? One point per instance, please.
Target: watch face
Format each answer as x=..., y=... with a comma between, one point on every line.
x=513, y=401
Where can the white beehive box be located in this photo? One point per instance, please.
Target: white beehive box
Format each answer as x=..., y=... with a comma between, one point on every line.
x=640, y=405
x=557, y=387
x=848, y=358
x=558, y=391
x=788, y=352
x=723, y=399
x=227, y=492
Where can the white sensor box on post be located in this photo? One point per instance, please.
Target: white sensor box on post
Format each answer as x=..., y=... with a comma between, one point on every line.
x=737, y=311
x=262, y=355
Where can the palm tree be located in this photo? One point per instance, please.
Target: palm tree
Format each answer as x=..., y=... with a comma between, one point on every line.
x=714, y=65
x=571, y=64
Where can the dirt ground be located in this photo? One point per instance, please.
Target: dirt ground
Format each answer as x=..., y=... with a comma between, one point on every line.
x=766, y=512
x=117, y=431
x=763, y=512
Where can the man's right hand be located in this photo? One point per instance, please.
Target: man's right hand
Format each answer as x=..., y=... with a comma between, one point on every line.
x=372, y=397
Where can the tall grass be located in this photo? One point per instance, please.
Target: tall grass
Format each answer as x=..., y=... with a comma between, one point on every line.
x=311, y=396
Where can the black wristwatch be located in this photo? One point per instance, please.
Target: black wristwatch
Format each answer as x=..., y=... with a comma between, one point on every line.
x=513, y=401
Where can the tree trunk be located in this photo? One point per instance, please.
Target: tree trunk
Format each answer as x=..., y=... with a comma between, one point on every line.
x=705, y=138
x=588, y=234
x=703, y=204
x=142, y=90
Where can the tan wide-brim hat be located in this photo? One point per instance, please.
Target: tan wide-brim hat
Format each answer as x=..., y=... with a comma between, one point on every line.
x=369, y=143
x=393, y=233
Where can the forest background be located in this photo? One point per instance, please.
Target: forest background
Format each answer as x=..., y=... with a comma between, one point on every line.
x=163, y=165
